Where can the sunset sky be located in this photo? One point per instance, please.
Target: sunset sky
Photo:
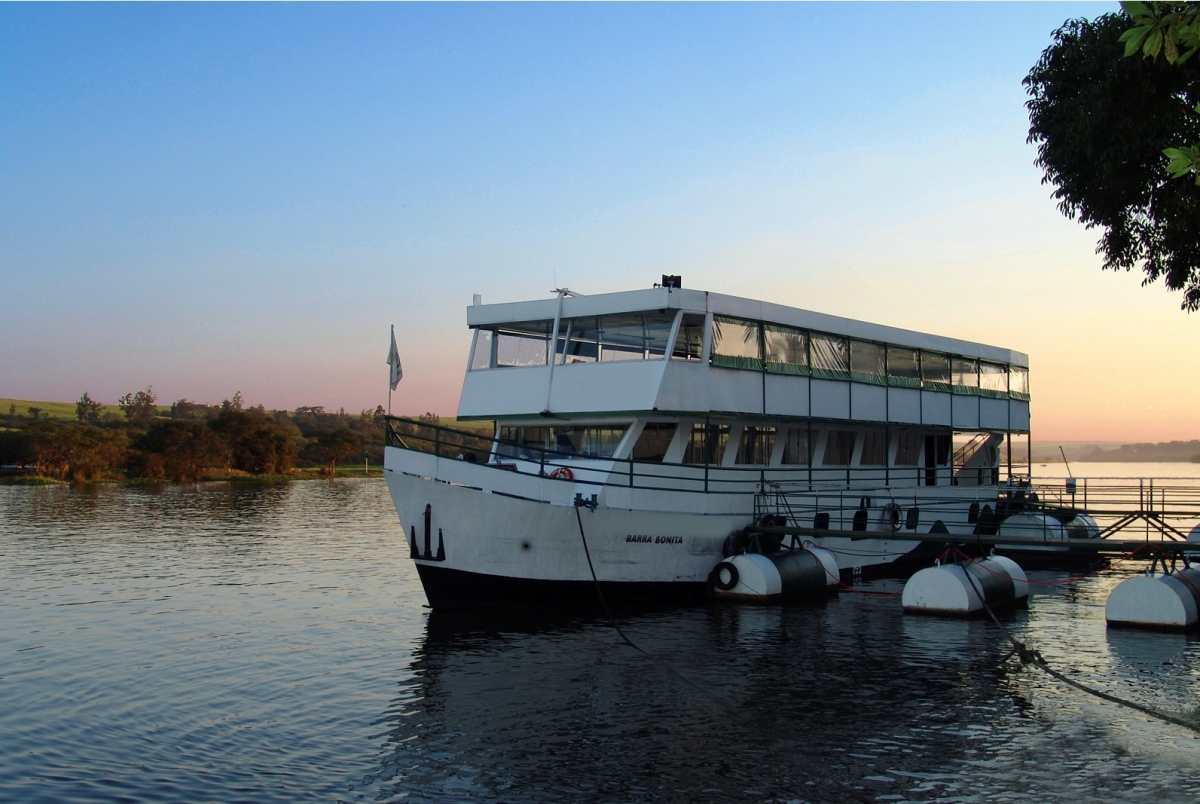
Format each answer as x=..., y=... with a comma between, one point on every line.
x=244, y=197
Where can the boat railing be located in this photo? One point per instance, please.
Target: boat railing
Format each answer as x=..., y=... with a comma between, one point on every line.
x=600, y=471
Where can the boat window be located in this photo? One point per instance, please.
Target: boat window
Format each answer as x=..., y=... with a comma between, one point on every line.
x=756, y=446
x=526, y=443
x=935, y=371
x=830, y=356
x=993, y=378
x=736, y=343
x=583, y=341
x=689, y=343
x=839, y=448
x=908, y=449
x=874, y=451
x=614, y=338
x=1018, y=382
x=655, y=440
x=522, y=344
x=707, y=443
x=904, y=367
x=796, y=449
x=965, y=372
x=481, y=353
x=588, y=441
x=866, y=362
x=785, y=349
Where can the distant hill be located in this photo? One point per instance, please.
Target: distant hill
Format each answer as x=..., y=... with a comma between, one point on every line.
x=1163, y=452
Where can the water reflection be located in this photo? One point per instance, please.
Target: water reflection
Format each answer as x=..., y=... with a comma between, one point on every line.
x=269, y=643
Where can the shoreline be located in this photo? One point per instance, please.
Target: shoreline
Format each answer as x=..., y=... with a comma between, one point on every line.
x=28, y=479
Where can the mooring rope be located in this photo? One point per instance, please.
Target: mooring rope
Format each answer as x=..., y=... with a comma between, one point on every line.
x=612, y=621
x=1028, y=656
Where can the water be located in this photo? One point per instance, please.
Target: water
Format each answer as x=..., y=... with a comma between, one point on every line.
x=269, y=643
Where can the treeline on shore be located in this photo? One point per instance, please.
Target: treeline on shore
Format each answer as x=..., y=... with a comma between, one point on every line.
x=1162, y=452
x=191, y=441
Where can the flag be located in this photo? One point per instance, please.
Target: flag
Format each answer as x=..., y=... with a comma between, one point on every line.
x=394, y=362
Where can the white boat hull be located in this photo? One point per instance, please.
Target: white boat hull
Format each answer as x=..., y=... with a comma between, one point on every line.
x=482, y=547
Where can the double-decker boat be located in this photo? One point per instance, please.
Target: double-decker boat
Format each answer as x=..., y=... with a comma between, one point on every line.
x=677, y=418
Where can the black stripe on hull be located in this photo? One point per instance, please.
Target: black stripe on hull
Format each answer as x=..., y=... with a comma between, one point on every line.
x=458, y=589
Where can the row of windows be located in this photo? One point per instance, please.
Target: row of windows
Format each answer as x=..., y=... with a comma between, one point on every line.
x=707, y=444
x=738, y=343
x=775, y=348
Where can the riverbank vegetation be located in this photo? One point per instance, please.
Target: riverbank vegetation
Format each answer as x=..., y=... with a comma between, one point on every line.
x=187, y=441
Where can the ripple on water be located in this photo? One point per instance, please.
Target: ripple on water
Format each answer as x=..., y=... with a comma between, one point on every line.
x=269, y=642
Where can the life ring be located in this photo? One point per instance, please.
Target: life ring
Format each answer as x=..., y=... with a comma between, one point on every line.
x=725, y=568
x=562, y=473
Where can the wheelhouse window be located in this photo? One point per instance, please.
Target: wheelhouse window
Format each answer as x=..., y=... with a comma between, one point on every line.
x=796, y=448
x=736, y=343
x=908, y=449
x=993, y=379
x=1018, y=382
x=689, y=343
x=756, y=446
x=903, y=367
x=608, y=339
x=839, y=448
x=867, y=362
x=654, y=441
x=706, y=444
x=481, y=351
x=785, y=349
x=965, y=374
x=830, y=356
x=935, y=371
x=522, y=344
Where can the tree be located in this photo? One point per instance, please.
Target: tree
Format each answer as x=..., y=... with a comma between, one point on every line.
x=1172, y=30
x=35, y=413
x=1101, y=123
x=179, y=450
x=88, y=409
x=337, y=445
x=256, y=443
x=139, y=407
x=79, y=451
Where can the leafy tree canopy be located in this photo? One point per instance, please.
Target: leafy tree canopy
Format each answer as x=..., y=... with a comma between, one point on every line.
x=1112, y=130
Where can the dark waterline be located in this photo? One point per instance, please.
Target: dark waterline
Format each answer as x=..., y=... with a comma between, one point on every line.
x=269, y=643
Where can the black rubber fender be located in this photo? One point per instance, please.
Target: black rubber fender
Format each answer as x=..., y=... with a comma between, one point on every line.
x=733, y=576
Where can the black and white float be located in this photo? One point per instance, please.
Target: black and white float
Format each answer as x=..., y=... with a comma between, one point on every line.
x=789, y=574
x=1159, y=601
x=955, y=589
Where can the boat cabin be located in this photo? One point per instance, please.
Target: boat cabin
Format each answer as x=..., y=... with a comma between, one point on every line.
x=686, y=377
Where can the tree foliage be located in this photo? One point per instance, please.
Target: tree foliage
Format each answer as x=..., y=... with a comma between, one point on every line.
x=1101, y=123
x=139, y=407
x=336, y=445
x=88, y=409
x=256, y=443
x=183, y=451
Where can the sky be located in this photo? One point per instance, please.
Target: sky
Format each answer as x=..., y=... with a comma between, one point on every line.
x=214, y=198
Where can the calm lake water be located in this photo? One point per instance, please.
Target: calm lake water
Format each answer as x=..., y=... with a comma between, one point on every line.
x=270, y=643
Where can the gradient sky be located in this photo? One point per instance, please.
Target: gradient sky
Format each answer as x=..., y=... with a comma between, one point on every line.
x=211, y=198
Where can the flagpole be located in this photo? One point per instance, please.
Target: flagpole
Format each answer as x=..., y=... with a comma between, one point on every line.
x=390, y=375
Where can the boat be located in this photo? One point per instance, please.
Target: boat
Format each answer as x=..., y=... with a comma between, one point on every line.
x=633, y=440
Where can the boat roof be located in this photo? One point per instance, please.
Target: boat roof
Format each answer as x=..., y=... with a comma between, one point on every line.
x=702, y=301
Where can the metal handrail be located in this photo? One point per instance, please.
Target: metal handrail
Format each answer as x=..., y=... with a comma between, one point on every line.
x=715, y=478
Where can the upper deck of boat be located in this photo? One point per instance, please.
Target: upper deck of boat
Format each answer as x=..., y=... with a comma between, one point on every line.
x=683, y=353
